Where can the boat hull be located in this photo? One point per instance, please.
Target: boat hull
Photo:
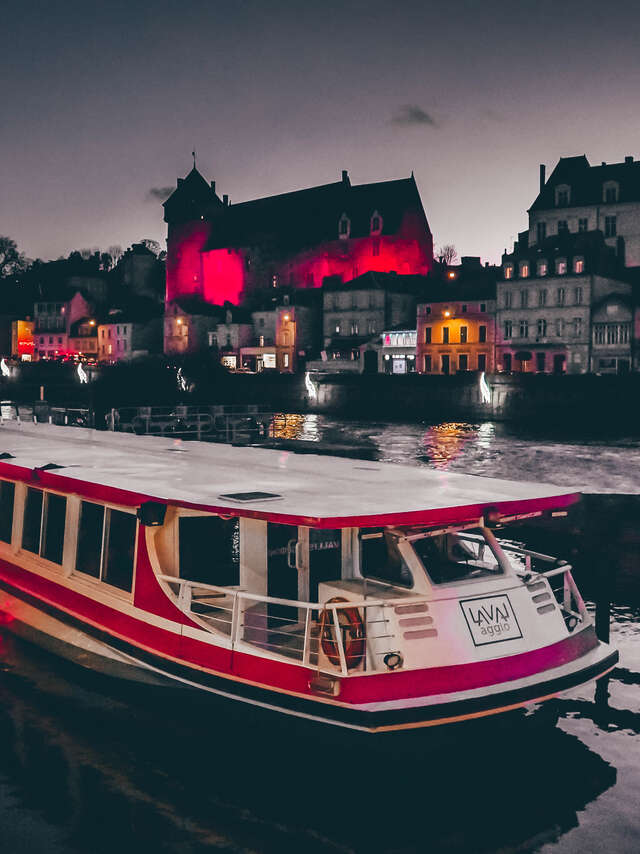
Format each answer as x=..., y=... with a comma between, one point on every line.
x=97, y=650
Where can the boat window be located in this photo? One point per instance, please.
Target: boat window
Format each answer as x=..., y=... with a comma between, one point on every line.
x=90, y=538
x=106, y=544
x=7, y=493
x=456, y=557
x=43, y=524
x=55, y=511
x=120, y=538
x=32, y=520
x=381, y=560
x=210, y=550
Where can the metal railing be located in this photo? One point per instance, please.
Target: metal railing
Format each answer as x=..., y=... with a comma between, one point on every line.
x=333, y=638
x=529, y=565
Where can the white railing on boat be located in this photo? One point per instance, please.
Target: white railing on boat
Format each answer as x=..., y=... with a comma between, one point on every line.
x=315, y=635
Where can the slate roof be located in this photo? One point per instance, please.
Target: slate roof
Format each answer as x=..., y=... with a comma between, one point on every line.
x=304, y=218
x=378, y=282
x=191, y=198
x=586, y=182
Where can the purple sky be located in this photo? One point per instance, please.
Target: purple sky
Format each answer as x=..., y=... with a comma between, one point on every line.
x=102, y=104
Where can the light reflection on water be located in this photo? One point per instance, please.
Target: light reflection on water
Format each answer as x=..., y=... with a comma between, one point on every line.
x=590, y=463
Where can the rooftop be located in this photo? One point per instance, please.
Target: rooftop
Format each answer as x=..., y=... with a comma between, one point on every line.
x=327, y=492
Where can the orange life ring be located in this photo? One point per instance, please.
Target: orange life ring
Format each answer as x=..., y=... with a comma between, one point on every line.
x=353, y=634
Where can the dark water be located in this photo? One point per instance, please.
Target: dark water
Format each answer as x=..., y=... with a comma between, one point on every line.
x=91, y=766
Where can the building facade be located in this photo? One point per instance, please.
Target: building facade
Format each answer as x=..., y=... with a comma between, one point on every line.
x=221, y=252
x=455, y=328
x=579, y=197
x=549, y=297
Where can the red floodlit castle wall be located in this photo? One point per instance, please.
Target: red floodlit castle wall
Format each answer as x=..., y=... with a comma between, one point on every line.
x=184, y=258
x=221, y=275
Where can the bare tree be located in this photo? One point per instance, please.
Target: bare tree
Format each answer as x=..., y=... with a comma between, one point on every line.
x=11, y=261
x=447, y=254
x=151, y=245
x=116, y=253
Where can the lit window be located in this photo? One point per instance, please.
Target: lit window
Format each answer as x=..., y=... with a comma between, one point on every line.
x=286, y=360
x=578, y=265
x=524, y=269
x=508, y=271
x=561, y=266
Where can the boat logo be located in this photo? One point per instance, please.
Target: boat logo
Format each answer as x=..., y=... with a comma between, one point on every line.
x=490, y=619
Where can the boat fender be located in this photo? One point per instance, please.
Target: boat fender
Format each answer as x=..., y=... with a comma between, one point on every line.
x=393, y=660
x=353, y=634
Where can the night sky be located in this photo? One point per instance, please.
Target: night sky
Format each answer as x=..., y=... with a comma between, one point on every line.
x=103, y=103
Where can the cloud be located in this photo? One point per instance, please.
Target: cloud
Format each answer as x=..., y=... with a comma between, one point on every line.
x=411, y=115
x=159, y=194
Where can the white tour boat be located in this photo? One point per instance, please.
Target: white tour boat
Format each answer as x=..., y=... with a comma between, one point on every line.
x=371, y=596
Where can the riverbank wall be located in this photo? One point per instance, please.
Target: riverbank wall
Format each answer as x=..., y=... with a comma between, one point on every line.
x=584, y=401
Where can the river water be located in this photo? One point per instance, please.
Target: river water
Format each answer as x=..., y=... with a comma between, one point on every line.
x=88, y=766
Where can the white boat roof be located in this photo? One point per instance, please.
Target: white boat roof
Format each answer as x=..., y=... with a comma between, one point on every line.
x=303, y=489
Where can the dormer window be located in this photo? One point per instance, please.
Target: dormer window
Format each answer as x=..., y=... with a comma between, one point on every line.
x=542, y=267
x=561, y=266
x=508, y=271
x=524, y=269
x=376, y=223
x=344, y=227
x=610, y=191
x=563, y=195
x=578, y=265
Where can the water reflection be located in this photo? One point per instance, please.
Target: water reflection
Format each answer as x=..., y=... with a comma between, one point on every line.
x=97, y=772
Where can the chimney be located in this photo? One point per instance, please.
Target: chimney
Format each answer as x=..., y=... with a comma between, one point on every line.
x=213, y=186
x=225, y=200
x=543, y=170
x=345, y=177
x=604, y=163
x=629, y=158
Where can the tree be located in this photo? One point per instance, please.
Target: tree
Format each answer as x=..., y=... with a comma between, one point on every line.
x=115, y=252
x=151, y=245
x=447, y=254
x=12, y=262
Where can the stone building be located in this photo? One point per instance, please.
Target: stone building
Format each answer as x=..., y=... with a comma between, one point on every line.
x=357, y=311
x=221, y=252
x=549, y=298
x=579, y=197
x=456, y=326
x=187, y=324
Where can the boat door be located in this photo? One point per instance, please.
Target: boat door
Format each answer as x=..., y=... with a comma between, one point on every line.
x=282, y=572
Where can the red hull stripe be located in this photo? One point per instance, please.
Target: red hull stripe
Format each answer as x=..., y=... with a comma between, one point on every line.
x=290, y=678
x=431, y=517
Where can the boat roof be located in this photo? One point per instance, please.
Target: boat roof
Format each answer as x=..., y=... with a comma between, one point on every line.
x=279, y=486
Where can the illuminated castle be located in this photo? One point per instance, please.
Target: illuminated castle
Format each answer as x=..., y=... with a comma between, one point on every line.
x=218, y=252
